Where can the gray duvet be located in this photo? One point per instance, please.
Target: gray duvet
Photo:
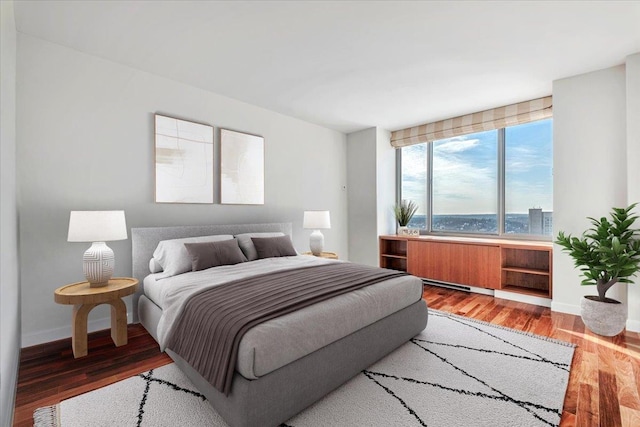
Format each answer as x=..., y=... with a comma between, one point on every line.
x=280, y=341
x=207, y=333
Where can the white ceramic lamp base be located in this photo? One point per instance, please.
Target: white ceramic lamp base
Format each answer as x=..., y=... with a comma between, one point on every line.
x=316, y=242
x=98, y=263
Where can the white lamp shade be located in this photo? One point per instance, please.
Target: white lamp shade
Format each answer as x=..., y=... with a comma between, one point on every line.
x=316, y=220
x=97, y=226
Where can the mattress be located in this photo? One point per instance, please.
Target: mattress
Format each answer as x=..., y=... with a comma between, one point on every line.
x=278, y=342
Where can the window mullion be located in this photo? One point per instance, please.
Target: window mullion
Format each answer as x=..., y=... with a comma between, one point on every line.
x=430, y=187
x=501, y=182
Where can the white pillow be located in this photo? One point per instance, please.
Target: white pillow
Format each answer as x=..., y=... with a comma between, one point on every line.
x=173, y=256
x=154, y=267
x=247, y=246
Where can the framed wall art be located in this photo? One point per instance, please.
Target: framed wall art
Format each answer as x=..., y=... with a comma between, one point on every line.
x=183, y=161
x=241, y=168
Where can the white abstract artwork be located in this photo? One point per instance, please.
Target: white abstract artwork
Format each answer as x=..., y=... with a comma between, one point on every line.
x=184, y=161
x=241, y=168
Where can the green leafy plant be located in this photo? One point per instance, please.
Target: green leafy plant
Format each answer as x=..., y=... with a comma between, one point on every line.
x=404, y=211
x=608, y=252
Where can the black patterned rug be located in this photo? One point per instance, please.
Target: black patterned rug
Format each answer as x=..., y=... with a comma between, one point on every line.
x=457, y=372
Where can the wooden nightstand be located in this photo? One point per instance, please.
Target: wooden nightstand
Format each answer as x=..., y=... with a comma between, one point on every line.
x=85, y=298
x=330, y=255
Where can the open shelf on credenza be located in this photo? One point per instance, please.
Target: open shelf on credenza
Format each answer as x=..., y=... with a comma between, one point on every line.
x=542, y=293
x=394, y=256
x=393, y=253
x=526, y=270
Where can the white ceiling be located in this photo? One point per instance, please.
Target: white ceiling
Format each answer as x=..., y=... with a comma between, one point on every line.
x=350, y=65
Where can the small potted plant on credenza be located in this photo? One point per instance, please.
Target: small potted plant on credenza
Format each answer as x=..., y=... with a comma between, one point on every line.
x=606, y=254
x=404, y=211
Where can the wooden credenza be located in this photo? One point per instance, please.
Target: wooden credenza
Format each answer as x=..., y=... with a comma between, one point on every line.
x=509, y=265
x=454, y=262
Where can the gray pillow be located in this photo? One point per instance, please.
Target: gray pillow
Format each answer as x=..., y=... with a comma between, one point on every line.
x=213, y=254
x=173, y=257
x=249, y=250
x=269, y=247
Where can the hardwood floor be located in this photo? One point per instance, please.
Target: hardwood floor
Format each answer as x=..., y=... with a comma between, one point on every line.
x=49, y=374
x=604, y=386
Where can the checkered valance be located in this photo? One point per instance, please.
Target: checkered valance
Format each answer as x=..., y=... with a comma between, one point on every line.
x=496, y=118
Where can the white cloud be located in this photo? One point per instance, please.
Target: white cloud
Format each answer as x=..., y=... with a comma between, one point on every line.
x=523, y=159
x=455, y=145
x=522, y=195
x=460, y=187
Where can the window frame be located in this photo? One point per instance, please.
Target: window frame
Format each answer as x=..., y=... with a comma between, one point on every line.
x=501, y=199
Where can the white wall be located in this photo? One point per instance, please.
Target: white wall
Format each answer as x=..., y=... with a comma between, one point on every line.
x=362, y=189
x=85, y=141
x=386, y=182
x=633, y=168
x=9, y=280
x=371, y=175
x=590, y=168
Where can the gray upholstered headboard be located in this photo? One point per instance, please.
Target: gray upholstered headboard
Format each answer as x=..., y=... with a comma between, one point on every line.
x=145, y=240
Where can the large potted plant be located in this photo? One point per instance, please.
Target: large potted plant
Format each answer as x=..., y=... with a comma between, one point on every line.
x=404, y=211
x=606, y=254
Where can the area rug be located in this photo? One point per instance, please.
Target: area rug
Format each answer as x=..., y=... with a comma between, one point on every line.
x=457, y=372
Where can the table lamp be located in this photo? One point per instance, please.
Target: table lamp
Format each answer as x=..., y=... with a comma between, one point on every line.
x=97, y=227
x=315, y=220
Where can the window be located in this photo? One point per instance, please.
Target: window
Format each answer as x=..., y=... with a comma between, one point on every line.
x=496, y=182
x=465, y=183
x=528, y=179
x=414, y=182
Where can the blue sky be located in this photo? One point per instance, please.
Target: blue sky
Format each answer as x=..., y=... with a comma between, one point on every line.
x=466, y=169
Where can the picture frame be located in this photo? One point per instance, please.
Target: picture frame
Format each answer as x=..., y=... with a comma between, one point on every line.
x=183, y=161
x=241, y=168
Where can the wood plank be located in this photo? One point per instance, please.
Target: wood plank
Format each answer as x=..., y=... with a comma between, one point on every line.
x=630, y=417
x=542, y=293
x=568, y=419
x=507, y=243
x=607, y=357
x=609, y=407
x=588, y=415
x=627, y=390
x=636, y=375
x=527, y=270
x=575, y=376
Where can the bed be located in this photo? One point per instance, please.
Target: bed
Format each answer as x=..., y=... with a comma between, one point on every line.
x=265, y=392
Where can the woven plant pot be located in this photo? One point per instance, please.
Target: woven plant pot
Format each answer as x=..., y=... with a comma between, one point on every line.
x=604, y=318
x=402, y=230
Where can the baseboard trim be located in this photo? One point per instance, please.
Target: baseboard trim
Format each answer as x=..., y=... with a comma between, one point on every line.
x=528, y=299
x=55, y=334
x=633, y=325
x=565, y=308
